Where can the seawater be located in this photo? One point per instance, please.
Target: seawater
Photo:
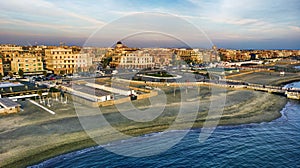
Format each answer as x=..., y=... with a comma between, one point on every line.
x=271, y=144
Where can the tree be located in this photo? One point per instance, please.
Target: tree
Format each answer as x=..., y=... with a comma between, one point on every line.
x=91, y=69
x=21, y=73
x=10, y=74
x=45, y=73
x=106, y=61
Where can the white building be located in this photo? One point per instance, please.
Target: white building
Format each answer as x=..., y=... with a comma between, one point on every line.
x=83, y=61
x=136, y=60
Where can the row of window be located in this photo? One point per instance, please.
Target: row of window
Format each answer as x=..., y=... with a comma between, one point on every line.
x=141, y=62
x=39, y=64
x=34, y=69
x=31, y=60
x=63, y=57
x=61, y=52
x=69, y=61
x=64, y=66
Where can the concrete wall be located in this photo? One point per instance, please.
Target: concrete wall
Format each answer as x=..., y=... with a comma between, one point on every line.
x=112, y=102
x=11, y=110
x=147, y=95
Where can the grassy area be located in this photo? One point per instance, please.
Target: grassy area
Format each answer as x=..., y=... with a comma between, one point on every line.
x=35, y=135
x=160, y=75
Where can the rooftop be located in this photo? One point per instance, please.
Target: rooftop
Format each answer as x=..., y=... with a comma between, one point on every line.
x=89, y=90
x=7, y=103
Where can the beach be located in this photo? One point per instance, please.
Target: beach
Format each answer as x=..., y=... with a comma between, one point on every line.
x=34, y=135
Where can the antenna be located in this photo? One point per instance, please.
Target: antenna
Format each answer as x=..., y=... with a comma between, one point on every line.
x=62, y=43
x=28, y=44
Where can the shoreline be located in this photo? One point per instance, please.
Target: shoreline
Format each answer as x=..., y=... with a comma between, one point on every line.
x=92, y=148
x=48, y=151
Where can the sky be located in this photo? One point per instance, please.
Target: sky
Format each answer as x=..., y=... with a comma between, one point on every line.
x=236, y=24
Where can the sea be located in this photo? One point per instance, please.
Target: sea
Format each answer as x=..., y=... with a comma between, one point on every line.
x=269, y=144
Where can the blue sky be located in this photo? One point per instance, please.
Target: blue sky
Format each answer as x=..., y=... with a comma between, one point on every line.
x=245, y=24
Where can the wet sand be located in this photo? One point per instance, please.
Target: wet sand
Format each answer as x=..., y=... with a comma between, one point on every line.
x=34, y=135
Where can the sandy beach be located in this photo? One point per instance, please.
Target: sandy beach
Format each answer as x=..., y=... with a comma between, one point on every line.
x=34, y=135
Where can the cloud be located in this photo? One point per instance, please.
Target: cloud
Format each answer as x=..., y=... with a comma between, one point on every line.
x=42, y=10
x=295, y=28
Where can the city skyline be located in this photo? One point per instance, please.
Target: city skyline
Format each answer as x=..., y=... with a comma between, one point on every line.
x=227, y=23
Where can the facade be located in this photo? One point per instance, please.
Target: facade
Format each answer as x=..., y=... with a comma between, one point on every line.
x=7, y=57
x=161, y=57
x=28, y=62
x=1, y=66
x=83, y=62
x=10, y=47
x=130, y=58
x=136, y=60
x=14, y=57
x=60, y=60
x=189, y=55
x=67, y=60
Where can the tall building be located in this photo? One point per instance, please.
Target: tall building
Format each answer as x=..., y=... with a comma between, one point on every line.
x=67, y=60
x=28, y=62
x=1, y=66
x=60, y=60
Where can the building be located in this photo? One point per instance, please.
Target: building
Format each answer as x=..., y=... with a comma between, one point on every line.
x=189, y=55
x=161, y=56
x=16, y=57
x=83, y=62
x=60, y=60
x=8, y=106
x=10, y=47
x=136, y=60
x=87, y=93
x=130, y=58
x=28, y=62
x=67, y=60
x=1, y=66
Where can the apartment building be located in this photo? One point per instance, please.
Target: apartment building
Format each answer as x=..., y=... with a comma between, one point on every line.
x=28, y=62
x=60, y=60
